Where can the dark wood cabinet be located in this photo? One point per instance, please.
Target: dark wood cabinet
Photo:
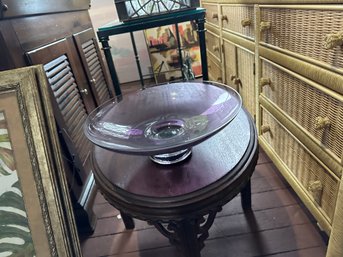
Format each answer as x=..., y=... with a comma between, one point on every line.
x=18, y=8
x=60, y=36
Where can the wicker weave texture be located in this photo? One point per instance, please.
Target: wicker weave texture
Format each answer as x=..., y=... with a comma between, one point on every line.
x=305, y=104
x=245, y=72
x=305, y=168
x=304, y=31
x=212, y=15
x=213, y=44
x=214, y=70
x=239, y=19
x=230, y=63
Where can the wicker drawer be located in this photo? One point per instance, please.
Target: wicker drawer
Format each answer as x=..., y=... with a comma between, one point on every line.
x=307, y=32
x=239, y=19
x=318, y=184
x=212, y=13
x=317, y=112
x=213, y=44
x=214, y=70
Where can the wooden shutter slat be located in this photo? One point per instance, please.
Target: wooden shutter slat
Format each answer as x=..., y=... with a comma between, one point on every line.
x=61, y=100
x=102, y=88
x=57, y=69
x=74, y=117
x=87, y=43
x=89, y=53
x=91, y=56
x=74, y=96
x=64, y=86
x=97, y=74
x=71, y=108
x=54, y=62
x=53, y=79
x=61, y=85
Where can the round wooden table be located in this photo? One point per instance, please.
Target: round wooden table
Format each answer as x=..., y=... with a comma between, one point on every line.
x=182, y=200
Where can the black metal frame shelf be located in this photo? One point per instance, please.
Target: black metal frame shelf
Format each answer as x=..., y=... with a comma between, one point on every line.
x=197, y=15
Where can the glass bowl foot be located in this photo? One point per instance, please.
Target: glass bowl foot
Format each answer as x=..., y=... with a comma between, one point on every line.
x=171, y=158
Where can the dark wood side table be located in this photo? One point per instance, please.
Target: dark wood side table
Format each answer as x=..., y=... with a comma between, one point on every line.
x=182, y=200
x=197, y=15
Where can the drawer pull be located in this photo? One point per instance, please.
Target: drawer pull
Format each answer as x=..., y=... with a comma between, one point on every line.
x=316, y=189
x=246, y=22
x=215, y=48
x=225, y=18
x=265, y=82
x=265, y=25
x=333, y=40
x=321, y=122
x=265, y=129
x=235, y=80
x=214, y=15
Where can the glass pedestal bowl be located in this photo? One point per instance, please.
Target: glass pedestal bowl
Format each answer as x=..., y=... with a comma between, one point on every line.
x=163, y=121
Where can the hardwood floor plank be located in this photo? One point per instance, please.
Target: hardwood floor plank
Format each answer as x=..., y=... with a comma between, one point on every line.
x=266, y=243
x=105, y=210
x=267, y=180
x=262, y=157
x=259, y=221
x=124, y=242
x=99, y=199
x=308, y=252
x=261, y=201
x=265, y=170
x=113, y=225
x=223, y=225
x=232, y=226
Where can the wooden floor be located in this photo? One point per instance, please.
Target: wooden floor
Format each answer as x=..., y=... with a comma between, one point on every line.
x=279, y=226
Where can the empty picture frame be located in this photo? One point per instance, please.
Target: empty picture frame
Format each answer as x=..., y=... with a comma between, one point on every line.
x=36, y=216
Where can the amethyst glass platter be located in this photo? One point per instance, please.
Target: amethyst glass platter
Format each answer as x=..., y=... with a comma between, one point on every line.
x=163, y=121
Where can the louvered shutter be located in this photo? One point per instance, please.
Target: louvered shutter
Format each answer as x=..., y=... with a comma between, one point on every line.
x=70, y=101
x=89, y=52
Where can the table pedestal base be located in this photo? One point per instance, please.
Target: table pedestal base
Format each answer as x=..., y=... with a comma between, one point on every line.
x=188, y=235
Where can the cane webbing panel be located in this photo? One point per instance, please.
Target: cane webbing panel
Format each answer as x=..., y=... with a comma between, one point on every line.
x=303, y=31
x=234, y=16
x=65, y=90
x=230, y=63
x=214, y=70
x=302, y=165
x=304, y=104
x=245, y=71
x=213, y=44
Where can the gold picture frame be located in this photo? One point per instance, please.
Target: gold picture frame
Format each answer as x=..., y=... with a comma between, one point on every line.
x=36, y=216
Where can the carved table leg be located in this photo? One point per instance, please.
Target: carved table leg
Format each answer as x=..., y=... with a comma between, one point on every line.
x=189, y=234
x=246, y=197
x=128, y=221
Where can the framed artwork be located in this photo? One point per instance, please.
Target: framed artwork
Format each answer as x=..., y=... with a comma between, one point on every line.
x=164, y=53
x=36, y=216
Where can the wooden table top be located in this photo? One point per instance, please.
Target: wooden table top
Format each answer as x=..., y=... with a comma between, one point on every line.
x=216, y=171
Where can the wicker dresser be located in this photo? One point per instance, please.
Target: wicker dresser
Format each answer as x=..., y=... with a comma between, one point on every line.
x=286, y=61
